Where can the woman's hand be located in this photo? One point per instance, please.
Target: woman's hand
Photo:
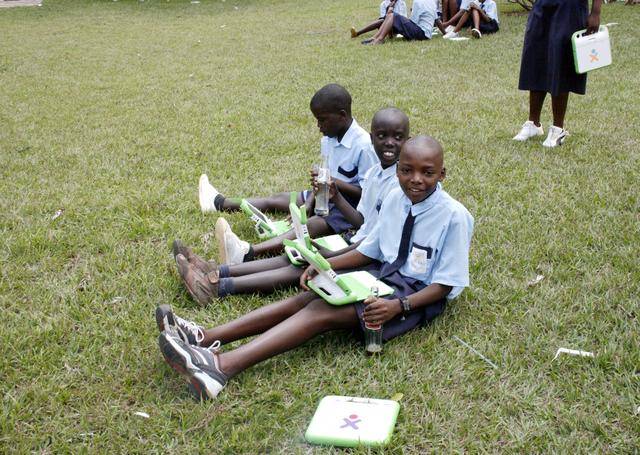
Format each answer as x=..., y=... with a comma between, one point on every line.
x=307, y=275
x=379, y=311
x=593, y=23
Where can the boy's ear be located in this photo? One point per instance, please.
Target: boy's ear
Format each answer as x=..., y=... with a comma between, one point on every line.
x=443, y=174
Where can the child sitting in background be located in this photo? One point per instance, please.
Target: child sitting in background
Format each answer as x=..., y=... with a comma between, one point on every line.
x=420, y=247
x=481, y=15
x=424, y=14
x=397, y=6
x=350, y=156
x=206, y=281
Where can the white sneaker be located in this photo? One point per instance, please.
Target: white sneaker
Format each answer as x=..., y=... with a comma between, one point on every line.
x=476, y=33
x=206, y=194
x=451, y=34
x=555, y=137
x=529, y=130
x=232, y=249
x=449, y=28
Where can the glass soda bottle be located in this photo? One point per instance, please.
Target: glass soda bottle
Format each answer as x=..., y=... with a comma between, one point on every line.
x=373, y=332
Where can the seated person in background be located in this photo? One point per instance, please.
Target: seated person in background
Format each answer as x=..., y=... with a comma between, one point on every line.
x=419, y=247
x=481, y=15
x=449, y=9
x=397, y=6
x=419, y=27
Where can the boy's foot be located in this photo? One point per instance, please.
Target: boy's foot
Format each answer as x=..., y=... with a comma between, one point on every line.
x=187, y=331
x=354, y=32
x=206, y=194
x=528, y=130
x=202, y=287
x=476, y=33
x=451, y=34
x=192, y=258
x=555, y=137
x=449, y=28
x=232, y=249
x=198, y=365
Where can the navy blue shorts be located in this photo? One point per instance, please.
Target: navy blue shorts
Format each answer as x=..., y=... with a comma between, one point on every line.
x=403, y=287
x=407, y=28
x=547, y=56
x=486, y=28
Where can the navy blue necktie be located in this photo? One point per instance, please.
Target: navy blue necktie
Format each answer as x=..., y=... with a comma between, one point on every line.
x=403, y=251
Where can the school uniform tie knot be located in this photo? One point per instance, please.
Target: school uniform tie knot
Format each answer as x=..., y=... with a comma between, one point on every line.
x=403, y=250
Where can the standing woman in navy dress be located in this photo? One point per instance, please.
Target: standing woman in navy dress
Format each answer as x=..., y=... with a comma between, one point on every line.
x=547, y=62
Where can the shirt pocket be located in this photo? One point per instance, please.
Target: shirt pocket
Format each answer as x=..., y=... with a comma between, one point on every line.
x=348, y=174
x=420, y=259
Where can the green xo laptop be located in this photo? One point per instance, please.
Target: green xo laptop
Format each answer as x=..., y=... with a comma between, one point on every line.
x=339, y=289
x=265, y=227
x=352, y=421
x=299, y=222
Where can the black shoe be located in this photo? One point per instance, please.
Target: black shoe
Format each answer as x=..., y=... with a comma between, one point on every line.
x=188, y=331
x=196, y=364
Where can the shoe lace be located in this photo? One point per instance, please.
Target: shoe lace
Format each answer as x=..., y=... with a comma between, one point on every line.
x=215, y=347
x=193, y=328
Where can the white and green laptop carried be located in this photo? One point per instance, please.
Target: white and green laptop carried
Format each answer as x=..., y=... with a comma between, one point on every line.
x=299, y=222
x=352, y=421
x=591, y=52
x=339, y=289
x=265, y=227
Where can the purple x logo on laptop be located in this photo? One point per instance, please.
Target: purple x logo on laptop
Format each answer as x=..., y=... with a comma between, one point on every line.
x=351, y=422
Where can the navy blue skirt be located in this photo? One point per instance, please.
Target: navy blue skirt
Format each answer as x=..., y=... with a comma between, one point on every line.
x=336, y=220
x=407, y=28
x=547, y=56
x=403, y=287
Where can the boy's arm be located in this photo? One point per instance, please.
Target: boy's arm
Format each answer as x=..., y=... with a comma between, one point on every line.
x=354, y=217
x=329, y=254
x=483, y=15
x=353, y=191
x=379, y=311
x=593, y=21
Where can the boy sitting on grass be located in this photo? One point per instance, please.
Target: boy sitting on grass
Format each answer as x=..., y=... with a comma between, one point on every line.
x=206, y=281
x=349, y=158
x=419, y=27
x=393, y=6
x=481, y=15
x=420, y=247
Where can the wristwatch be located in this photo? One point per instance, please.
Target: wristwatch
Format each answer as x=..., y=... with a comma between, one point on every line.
x=405, y=305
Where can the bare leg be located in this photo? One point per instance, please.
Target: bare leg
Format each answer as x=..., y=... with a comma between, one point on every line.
x=385, y=30
x=449, y=9
x=463, y=20
x=476, y=18
x=260, y=265
x=559, y=108
x=316, y=225
x=258, y=321
x=267, y=281
x=536, y=100
x=453, y=19
x=372, y=26
x=276, y=203
x=315, y=318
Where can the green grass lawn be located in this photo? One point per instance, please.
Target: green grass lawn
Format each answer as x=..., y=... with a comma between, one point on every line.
x=111, y=110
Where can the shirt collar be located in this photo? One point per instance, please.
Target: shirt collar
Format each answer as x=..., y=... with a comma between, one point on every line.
x=349, y=136
x=420, y=207
x=391, y=170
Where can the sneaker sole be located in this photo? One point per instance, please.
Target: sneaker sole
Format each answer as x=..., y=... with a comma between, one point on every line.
x=164, y=318
x=201, y=385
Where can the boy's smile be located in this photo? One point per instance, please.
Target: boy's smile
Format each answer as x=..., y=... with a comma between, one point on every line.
x=420, y=168
x=389, y=131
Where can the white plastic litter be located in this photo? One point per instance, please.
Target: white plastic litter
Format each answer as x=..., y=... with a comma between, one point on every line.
x=536, y=280
x=459, y=38
x=142, y=414
x=573, y=352
x=57, y=214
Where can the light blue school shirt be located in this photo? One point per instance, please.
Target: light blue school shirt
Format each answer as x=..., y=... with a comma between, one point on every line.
x=490, y=9
x=375, y=187
x=351, y=158
x=440, y=239
x=400, y=8
x=424, y=14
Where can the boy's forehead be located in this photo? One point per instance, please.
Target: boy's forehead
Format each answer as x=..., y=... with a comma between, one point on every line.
x=390, y=121
x=421, y=152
